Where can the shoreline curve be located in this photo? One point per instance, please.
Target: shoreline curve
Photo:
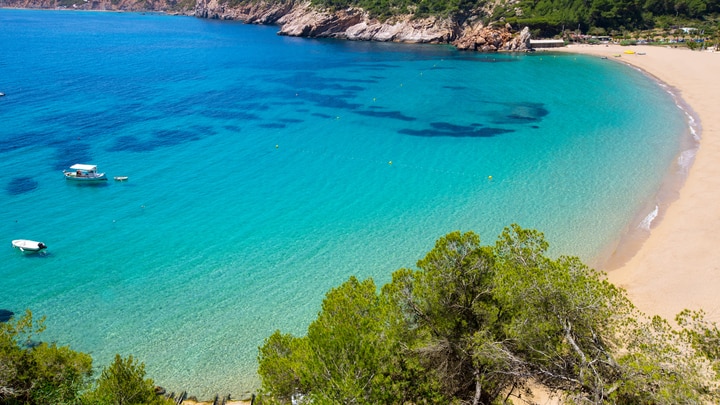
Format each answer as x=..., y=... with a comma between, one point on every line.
x=676, y=266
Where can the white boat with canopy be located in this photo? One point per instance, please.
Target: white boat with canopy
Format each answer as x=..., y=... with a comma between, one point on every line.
x=82, y=172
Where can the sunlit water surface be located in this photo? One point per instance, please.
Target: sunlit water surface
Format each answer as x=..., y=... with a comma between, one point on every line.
x=265, y=170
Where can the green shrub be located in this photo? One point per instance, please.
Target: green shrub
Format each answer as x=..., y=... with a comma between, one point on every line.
x=124, y=383
x=34, y=372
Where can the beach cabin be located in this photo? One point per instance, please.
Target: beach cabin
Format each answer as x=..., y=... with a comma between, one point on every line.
x=546, y=43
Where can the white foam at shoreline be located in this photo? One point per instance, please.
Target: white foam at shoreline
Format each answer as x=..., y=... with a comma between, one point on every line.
x=692, y=124
x=685, y=159
x=647, y=221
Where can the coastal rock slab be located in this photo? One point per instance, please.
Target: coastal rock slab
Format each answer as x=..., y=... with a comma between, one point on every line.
x=477, y=37
x=249, y=12
x=355, y=24
x=307, y=21
x=404, y=29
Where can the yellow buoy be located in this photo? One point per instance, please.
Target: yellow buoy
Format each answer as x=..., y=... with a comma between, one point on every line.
x=276, y=146
x=489, y=177
x=390, y=162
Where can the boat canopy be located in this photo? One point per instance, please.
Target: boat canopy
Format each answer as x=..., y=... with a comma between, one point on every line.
x=89, y=168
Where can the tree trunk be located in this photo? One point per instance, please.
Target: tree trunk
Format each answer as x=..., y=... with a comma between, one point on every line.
x=478, y=388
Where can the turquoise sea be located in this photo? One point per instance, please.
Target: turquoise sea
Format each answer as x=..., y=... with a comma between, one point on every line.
x=265, y=170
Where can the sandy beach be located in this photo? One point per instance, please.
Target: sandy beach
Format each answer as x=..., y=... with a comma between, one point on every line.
x=678, y=265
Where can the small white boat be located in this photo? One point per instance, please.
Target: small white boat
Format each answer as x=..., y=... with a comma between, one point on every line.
x=120, y=178
x=81, y=172
x=28, y=246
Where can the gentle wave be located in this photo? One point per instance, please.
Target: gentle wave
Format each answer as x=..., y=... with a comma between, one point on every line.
x=685, y=160
x=693, y=125
x=646, y=223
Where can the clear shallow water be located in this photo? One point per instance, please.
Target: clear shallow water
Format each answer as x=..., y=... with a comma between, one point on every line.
x=265, y=170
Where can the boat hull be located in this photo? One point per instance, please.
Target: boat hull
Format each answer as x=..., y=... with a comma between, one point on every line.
x=88, y=178
x=28, y=246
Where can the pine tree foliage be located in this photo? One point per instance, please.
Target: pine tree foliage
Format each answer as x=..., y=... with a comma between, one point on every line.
x=123, y=382
x=476, y=324
x=34, y=372
x=40, y=373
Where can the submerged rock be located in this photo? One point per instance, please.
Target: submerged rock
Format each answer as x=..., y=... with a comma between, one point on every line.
x=6, y=315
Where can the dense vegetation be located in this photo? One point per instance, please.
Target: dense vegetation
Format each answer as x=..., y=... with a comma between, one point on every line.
x=34, y=373
x=550, y=17
x=614, y=16
x=386, y=8
x=479, y=324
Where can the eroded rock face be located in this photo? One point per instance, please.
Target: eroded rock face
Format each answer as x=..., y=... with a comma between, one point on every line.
x=166, y=6
x=32, y=4
x=355, y=24
x=249, y=12
x=484, y=39
x=404, y=29
x=306, y=21
x=301, y=19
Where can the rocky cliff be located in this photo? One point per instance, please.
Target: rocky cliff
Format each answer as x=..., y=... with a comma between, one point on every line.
x=300, y=18
x=303, y=20
x=167, y=6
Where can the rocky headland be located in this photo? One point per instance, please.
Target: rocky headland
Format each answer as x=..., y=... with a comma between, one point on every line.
x=302, y=19
x=164, y=6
